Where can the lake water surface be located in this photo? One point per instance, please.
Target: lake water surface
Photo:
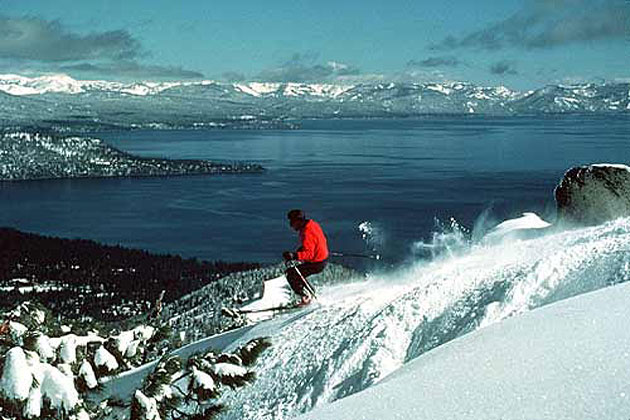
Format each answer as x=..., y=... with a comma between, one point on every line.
x=398, y=174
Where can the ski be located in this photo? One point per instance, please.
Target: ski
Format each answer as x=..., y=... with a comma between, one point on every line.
x=236, y=312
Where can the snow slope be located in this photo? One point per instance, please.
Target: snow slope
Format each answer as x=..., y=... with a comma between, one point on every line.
x=365, y=331
x=454, y=338
x=569, y=360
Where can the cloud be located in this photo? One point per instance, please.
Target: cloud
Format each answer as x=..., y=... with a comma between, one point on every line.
x=233, y=76
x=52, y=47
x=132, y=70
x=550, y=23
x=503, y=68
x=31, y=38
x=305, y=68
x=444, y=61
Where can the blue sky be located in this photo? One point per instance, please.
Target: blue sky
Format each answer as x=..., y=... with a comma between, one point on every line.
x=517, y=43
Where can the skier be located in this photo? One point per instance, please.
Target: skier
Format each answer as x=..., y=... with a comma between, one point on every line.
x=312, y=253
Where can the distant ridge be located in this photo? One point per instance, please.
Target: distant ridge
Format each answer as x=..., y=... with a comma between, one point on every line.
x=59, y=101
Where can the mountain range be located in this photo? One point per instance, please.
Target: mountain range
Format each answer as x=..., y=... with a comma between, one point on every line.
x=60, y=101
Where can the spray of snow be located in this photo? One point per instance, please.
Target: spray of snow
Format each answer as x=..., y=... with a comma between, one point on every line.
x=373, y=236
x=544, y=365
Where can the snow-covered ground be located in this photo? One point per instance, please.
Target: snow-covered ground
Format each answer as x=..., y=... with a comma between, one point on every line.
x=366, y=332
x=568, y=360
x=511, y=328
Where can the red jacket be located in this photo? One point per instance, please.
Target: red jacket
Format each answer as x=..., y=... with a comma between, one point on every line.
x=314, y=246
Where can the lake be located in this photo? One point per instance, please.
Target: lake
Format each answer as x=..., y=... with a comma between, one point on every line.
x=400, y=175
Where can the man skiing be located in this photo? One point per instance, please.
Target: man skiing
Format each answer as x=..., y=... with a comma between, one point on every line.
x=312, y=253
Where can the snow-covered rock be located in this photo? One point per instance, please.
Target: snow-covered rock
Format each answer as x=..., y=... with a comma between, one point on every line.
x=16, y=378
x=87, y=373
x=590, y=195
x=528, y=225
x=103, y=358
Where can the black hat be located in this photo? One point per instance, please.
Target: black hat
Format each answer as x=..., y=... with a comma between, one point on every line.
x=296, y=214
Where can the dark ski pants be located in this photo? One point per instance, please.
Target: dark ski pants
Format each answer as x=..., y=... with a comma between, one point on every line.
x=306, y=269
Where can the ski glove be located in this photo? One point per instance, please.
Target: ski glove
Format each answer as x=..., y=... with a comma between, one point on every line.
x=288, y=255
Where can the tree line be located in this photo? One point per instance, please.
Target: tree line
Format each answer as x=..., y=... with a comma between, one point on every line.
x=111, y=274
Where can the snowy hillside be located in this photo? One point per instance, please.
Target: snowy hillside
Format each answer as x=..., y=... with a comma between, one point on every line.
x=454, y=337
x=567, y=361
x=366, y=331
x=197, y=314
x=60, y=101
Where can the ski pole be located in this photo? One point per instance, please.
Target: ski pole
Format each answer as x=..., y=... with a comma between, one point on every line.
x=345, y=254
x=307, y=285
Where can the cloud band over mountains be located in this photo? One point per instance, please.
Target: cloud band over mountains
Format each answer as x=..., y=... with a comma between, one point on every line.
x=303, y=67
x=447, y=61
x=31, y=39
x=550, y=23
x=132, y=69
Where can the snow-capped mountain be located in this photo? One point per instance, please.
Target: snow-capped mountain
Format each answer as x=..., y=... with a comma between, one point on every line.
x=60, y=100
x=21, y=86
x=61, y=83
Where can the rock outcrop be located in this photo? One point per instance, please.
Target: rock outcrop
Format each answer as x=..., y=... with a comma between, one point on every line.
x=590, y=195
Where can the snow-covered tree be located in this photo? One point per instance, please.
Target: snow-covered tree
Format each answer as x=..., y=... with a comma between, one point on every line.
x=43, y=377
x=47, y=367
x=190, y=392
